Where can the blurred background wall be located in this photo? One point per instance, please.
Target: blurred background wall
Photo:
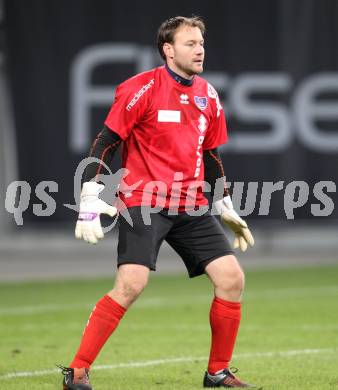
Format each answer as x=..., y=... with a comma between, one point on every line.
x=274, y=64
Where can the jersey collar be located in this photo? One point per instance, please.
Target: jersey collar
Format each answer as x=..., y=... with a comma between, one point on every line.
x=178, y=78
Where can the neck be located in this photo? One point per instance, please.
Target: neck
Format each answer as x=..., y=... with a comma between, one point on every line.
x=179, y=77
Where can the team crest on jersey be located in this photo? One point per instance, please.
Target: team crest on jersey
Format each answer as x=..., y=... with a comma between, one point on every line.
x=201, y=102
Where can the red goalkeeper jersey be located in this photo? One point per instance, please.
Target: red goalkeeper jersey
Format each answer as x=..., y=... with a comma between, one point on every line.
x=165, y=126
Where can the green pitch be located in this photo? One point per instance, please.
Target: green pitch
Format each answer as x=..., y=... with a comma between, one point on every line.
x=288, y=337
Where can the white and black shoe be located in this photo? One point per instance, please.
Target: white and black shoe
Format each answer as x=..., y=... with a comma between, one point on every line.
x=223, y=378
x=75, y=378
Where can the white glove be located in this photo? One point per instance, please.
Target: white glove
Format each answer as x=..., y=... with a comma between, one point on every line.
x=88, y=225
x=243, y=236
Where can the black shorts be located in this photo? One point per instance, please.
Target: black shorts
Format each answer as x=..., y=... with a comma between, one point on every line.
x=197, y=239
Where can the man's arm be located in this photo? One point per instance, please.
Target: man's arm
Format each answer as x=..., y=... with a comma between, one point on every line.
x=103, y=148
x=122, y=118
x=88, y=226
x=213, y=171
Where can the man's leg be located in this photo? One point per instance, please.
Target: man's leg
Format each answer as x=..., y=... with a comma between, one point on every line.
x=204, y=248
x=131, y=279
x=228, y=280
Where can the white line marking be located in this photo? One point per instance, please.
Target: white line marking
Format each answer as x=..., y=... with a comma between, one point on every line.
x=202, y=327
x=187, y=359
x=36, y=326
x=281, y=293
x=37, y=309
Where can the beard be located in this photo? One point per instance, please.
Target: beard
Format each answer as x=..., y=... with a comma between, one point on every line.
x=187, y=69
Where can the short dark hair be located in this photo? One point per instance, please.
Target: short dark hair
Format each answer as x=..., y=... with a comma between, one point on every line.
x=168, y=28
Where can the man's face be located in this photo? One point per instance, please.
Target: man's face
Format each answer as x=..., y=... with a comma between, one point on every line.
x=187, y=51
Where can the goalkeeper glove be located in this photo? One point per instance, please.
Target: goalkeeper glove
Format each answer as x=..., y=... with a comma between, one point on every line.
x=243, y=236
x=88, y=225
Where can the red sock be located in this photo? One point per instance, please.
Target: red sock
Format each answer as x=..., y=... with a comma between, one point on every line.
x=224, y=321
x=102, y=322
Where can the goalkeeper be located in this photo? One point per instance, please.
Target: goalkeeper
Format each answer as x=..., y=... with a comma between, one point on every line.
x=170, y=122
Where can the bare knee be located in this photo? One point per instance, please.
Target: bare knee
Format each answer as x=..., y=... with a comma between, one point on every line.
x=227, y=277
x=131, y=289
x=232, y=282
x=131, y=279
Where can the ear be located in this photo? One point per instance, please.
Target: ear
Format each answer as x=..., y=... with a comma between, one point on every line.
x=168, y=50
